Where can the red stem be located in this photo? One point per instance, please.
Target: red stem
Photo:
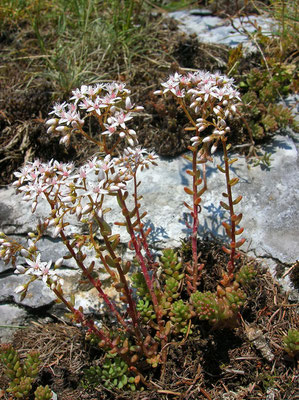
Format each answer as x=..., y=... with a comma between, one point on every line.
x=96, y=283
x=195, y=219
x=144, y=240
x=140, y=257
x=231, y=264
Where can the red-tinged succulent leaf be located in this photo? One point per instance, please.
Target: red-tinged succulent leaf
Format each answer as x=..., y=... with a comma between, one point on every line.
x=91, y=267
x=237, y=218
x=227, y=251
x=226, y=226
x=224, y=194
x=120, y=223
x=221, y=169
x=189, y=191
x=233, y=181
x=124, y=350
x=197, y=201
x=125, y=212
x=237, y=200
x=188, y=158
x=198, y=181
x=201, y=191
x=115, y=243
x=105, y=227
x=133, y=212
x=113, y=237
x=224, y=205
x=187, y=205
x=240, y=243
x=190, y=172
x=126, y=267
x=239, y=231
x=110, y=261
x=135, y=223
x=143, y=214
x=228, y=232
x=125, y=195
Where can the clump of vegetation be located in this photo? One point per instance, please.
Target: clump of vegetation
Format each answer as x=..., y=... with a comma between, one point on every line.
x=22, y=375
x=291, y=343
x=113, y=373
x=274, y=75
x=75, y=41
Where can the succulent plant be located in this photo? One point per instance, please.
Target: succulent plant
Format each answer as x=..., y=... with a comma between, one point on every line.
x=171, y=267
x=146, y=310
x=113, y=373
x=205, y=305
x=246, y=274
x=180, y=315
x=22, y=375
x=291, y=342
x=43, y=393
x=220, y=307
x=171, y=289
x=139, y=283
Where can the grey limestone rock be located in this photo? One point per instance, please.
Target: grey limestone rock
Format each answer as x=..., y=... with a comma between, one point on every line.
x=11, y=318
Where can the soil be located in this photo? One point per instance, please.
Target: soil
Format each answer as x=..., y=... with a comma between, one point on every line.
x=209, y=364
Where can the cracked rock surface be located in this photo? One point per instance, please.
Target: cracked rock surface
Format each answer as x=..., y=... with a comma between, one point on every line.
x=270, y=207
x=212, y=29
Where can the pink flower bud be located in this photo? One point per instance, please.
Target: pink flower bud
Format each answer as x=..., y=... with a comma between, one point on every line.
x=24, y=253
x=52, y=121
x=86, y=209
x=128, y=103
x=214, y=148
x=51, y=129
x=131, y=141
x=57, y=230
x=20, y=269
x=58, y=263
x=62, y=128
x=202, y=128
x=19, y=289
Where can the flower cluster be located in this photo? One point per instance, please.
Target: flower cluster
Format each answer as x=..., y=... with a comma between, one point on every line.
x=40, y=270
x=109, y=103
x=131, y=159
x=33, y=267
x=209, y=100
